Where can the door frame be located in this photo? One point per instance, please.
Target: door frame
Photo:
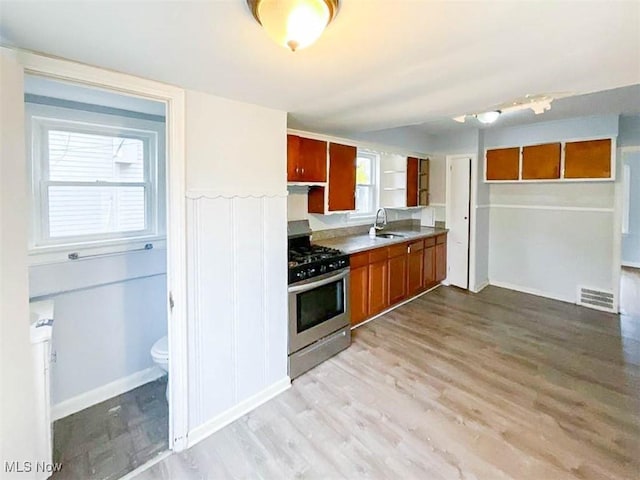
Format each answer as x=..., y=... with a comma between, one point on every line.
x=618, y=211
x=471, y=260
x=174, y=99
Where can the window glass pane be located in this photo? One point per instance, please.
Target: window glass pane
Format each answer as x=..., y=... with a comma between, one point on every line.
x=364, y=199
x=87, y=157
x=95, y=210
x=363, y=171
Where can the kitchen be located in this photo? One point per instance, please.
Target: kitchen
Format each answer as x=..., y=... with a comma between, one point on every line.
x=230, y=159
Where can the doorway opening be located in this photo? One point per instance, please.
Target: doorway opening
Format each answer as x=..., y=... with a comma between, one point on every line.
x=458, y=194
x=98, y=255
x=630, y=269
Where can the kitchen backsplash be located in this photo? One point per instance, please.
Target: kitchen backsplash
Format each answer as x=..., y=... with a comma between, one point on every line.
x=297, y=210
x=362, y=229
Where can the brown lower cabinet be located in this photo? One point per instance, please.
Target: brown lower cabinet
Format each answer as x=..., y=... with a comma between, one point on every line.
x=397, y=273
x=441, y=258
x=385, y=276
x=415, y=274
x=429, y=259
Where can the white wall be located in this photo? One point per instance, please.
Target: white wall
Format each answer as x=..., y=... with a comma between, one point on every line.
x=629, y=134
x=631, y=238
x=113, y=342
x=629, y=137
x=17, y=426
x=236, y=247
x=480, y=222
x=551, y=238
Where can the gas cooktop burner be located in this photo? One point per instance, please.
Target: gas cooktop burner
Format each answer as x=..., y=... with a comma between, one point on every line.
x=308, y=261
x=314, y=253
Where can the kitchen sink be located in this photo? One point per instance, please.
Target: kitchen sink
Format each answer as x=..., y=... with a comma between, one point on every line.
x=389, y=235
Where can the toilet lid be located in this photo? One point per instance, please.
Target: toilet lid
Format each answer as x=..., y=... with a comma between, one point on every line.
x=161, y=347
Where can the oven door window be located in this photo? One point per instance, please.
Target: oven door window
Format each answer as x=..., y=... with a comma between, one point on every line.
x=319, y=305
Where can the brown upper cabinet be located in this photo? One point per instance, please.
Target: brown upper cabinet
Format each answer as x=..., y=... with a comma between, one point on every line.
x=589, y=159
x=342, y=177
x=412, y=181
x=306, y=159
x=423, y=182
x=583, y=160
x=340, y=192
x=541, y=162
x=503, y=164
x=417, y=182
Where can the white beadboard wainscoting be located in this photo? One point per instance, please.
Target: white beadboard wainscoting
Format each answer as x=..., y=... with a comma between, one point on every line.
x=237, y=277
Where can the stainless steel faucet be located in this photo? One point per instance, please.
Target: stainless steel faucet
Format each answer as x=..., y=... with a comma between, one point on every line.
x=376, y=225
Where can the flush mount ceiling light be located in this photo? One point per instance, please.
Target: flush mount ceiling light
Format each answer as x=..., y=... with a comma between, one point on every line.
x=537, y=103
x=488, y=117
x=294, y=24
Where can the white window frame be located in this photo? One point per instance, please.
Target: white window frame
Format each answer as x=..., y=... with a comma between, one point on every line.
x=375, y=185
x=40, y=120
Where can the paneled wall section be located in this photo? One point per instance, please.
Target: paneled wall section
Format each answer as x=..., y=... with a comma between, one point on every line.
x=237, y=300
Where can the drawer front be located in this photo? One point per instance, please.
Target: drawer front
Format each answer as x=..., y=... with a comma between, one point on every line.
x=429, y=242
x=359, y=259
x=416, y=246
x=441, y=239
x=377, y=255
x=397, y=250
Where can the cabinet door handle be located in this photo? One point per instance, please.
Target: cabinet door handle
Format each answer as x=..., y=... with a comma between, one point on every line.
x=303, y=170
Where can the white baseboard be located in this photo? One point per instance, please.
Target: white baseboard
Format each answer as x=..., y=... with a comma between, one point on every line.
x=531, y=291
x=480, y=287
x=100, y=394
x=631, y=264
x=203, y=431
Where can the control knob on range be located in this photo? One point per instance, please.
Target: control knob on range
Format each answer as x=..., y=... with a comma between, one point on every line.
x=323, y=268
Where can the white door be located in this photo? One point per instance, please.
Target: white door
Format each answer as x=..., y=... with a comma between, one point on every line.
x=458, y=194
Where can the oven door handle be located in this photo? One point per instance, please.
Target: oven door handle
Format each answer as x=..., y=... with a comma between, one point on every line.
x=319, y=283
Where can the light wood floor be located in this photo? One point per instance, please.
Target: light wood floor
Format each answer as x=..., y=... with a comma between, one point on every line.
x=499, y=385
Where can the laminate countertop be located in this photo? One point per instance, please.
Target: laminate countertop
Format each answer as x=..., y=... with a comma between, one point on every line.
x=358, y=243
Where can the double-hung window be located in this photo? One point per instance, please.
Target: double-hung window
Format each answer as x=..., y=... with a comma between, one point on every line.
x=366, y=183
x=93, y=183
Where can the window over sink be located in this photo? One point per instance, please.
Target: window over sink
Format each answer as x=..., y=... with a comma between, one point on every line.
x=367, y=166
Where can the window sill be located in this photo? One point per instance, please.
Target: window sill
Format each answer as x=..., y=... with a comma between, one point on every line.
x=60, y=253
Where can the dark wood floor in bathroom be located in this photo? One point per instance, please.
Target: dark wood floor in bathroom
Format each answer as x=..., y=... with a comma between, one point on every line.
x=112, y=438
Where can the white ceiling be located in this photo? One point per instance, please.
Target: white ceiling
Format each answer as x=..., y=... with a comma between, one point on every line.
x=380, y=64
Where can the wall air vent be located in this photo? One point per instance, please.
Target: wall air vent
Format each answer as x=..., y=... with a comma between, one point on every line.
x=597, y=299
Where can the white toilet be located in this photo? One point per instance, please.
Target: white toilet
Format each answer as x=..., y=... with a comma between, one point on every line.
x=160, y=355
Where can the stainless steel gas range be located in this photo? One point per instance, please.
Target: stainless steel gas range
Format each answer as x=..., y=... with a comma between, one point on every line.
x=319, y=314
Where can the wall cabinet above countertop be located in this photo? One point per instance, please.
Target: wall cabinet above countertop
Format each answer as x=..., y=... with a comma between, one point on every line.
x=339, y=195
x=306, y=160
x=568, y=161
x=329, y=169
